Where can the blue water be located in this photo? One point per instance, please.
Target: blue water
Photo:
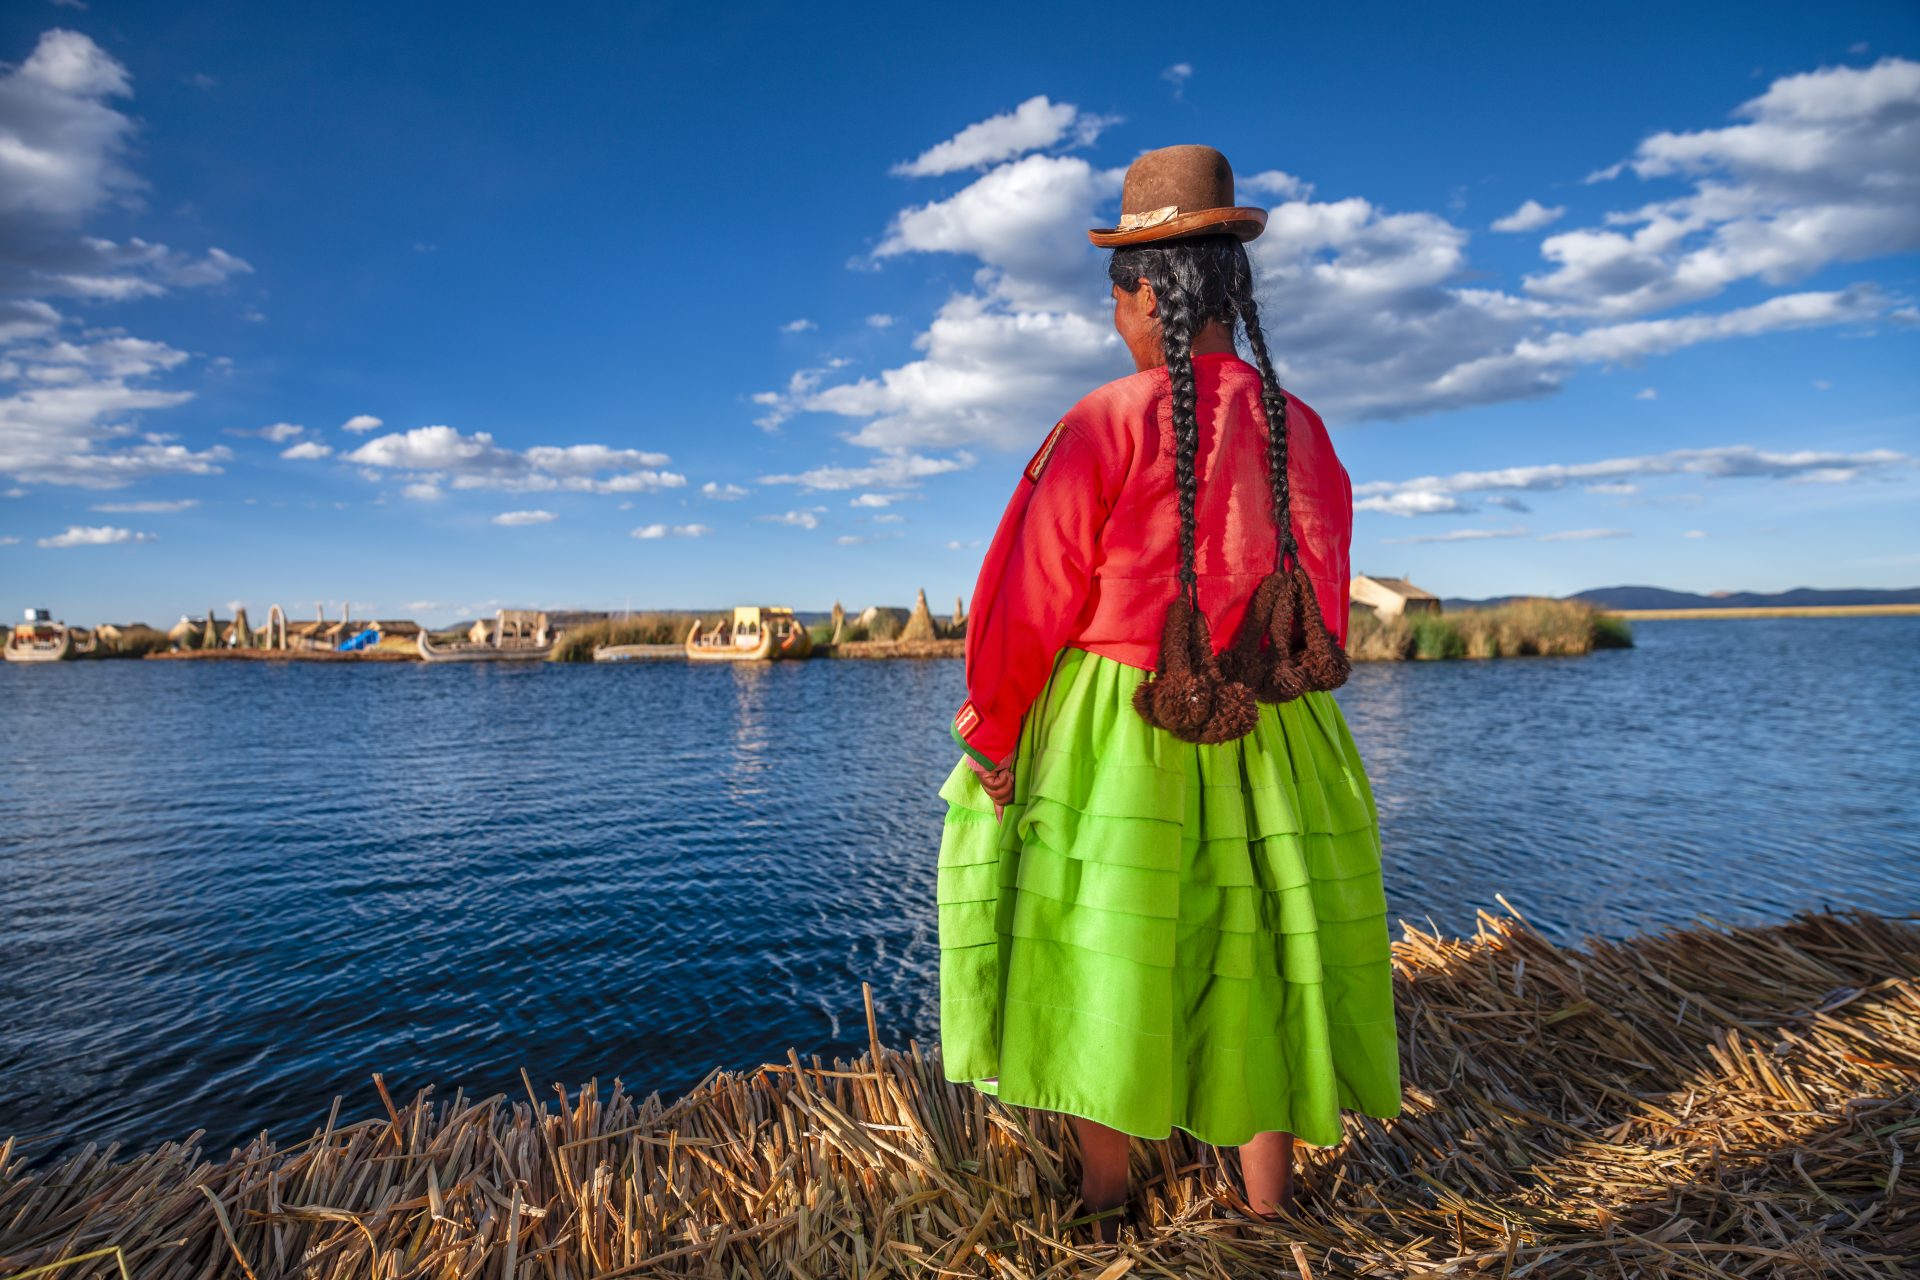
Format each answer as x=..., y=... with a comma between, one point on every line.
x=233, y=890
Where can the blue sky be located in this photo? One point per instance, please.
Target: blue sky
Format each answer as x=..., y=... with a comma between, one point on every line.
x=441, y=308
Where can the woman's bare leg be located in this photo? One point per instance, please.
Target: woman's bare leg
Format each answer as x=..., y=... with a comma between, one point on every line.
x=1266, y=1163
x=1103, y=1173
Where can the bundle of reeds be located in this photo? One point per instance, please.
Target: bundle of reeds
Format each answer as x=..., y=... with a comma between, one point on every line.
x=1704, y=1102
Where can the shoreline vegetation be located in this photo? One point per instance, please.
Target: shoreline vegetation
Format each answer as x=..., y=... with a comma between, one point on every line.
x=1700, y=1101
x=1526, y=627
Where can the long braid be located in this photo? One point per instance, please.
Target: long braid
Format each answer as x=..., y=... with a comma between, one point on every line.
x=1275, y=402
x=1177, y=323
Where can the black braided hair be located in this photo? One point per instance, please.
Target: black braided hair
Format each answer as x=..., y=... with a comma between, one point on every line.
x=1192, y=280
x=1198, y=279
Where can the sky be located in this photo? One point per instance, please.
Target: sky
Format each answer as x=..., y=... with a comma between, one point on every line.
x=437, y=308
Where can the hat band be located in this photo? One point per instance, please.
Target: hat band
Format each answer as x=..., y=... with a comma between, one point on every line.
x=1151, y=218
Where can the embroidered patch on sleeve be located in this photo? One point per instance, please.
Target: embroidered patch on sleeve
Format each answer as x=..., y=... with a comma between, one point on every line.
x=965, y=718
x=1039, y=463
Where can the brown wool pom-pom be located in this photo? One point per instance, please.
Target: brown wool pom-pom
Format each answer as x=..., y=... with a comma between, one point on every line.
x=1235, y=713
x=1182, y=704
x=1324, y=663
x=1242, y=660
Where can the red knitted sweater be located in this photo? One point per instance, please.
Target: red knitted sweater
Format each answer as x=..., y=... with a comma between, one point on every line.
x=1087, y=552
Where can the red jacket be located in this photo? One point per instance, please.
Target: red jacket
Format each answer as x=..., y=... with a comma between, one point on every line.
x=1087, y=552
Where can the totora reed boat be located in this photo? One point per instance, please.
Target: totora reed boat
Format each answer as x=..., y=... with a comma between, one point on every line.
x=516, y=635
x=756, y=633
x=41, y=639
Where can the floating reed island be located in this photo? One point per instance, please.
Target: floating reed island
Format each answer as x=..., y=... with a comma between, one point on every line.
x=1702, y=1102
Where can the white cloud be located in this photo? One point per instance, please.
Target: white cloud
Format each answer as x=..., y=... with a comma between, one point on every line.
x=279, y=432
x=1614, y=486
x=1373, y=314
x=1411, y=502
x=361, y=423
x=94, y=536
x=476, y=462
x=799, y=519
x=1530, y=216
x=880, y=320
x=1461, y=535
x=800, y=325
x=307, y=450
x=1033, y=125
x=70, y=404
x=63, y=144
x=1822, y=171
x=514, y=519
x=652, y=531
x=1584, y=535
x=150, y=508
x=1177, y=75
x=849, y=540
x=873, y=500
x=897, y=469
x=891, y=517
x=722, y=492
x=422, y=491
x=1427, y=495
x=1646, y=393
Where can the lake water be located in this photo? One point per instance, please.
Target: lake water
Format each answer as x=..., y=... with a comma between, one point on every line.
x=233, y=890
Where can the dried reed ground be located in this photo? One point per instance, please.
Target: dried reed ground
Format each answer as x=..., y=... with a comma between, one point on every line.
x=1705, y=1102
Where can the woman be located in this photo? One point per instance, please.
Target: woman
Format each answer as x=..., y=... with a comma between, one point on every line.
x=1160, y=901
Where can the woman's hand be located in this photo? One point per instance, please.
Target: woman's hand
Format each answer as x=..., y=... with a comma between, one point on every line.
x=997, y=783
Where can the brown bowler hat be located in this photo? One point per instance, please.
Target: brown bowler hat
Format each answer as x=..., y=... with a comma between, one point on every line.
x=1179, y=191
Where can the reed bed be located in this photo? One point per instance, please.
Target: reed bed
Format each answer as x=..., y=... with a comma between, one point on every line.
x=1552, y=628
x=1703, y=1102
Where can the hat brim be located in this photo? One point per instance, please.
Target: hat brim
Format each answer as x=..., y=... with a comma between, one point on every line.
x=1240, y=222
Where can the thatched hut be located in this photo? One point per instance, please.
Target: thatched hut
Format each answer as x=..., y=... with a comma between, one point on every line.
x=1392, y=597
x=920, y=624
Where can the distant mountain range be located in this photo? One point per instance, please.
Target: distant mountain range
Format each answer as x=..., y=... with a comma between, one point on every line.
x=1661, y=598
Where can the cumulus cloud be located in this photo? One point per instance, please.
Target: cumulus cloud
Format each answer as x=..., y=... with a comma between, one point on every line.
x=880, y=320
x=1376, y=314
x=99, y=535
x=71, y=402
x=476, y=462
x=514, y=519
x=307, y=451
x=422, y=491
x=361, y=423
x=1035, y=124
x=651, y=531
x=799, y=519
x=1822, y=170
x=722, y=492
x=800, y=325
x=873, y=500
x=1430, y=495
x=1530, y=216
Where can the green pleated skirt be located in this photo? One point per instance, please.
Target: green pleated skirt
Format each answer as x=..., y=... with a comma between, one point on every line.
x=1160, y=934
